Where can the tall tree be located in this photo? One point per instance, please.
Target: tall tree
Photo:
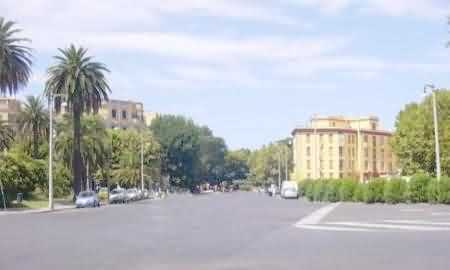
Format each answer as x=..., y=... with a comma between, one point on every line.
x=413, y=141
x=6, y=136
x=15, y=59
x=83, y=85
x=179, y=141
x=95, y=143
x=33, y=120
x=212, y=156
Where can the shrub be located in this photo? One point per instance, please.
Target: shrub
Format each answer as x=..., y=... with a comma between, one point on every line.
x=444, y=190
x=302, y=187
x=395, y=190
x=375, y=191
x=347, y=189
x=417, y=191
x=332, y=190
x=309, y=190
x=358, y=194
x=320, y=187
x=433, y=193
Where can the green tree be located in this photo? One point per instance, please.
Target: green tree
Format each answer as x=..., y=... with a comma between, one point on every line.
x=413, y=141
x=33, y=122
x=212, y=156
x=95, y=143
x=6, y=136
x=179, y=141
x=15, y=59
x=83, y=84
x=126, y=167
x=236, y=165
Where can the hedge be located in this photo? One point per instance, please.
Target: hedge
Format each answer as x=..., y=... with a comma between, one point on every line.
x=395, y=191
x=420, y=188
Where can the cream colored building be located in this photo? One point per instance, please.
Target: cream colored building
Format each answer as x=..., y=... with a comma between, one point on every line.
x=122, y=114
x=9, y=110
x=149, y=116
x=337, y=147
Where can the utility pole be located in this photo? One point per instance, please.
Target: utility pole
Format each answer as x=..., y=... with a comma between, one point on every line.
x=436, y=129
x=142, y=161
x=279, y=170
x=50, y=152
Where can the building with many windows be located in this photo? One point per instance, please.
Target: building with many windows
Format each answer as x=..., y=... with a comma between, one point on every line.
x=337, y=147
x=9, y=110
x=122, y=114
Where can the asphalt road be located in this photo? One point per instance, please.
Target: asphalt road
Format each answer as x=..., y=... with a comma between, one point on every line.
x=228, y=231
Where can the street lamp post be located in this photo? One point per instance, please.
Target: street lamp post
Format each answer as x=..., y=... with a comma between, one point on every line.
x=50, y=153
x=436, y=129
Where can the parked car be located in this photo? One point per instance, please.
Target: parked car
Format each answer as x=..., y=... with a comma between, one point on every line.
x=87, y=199
x=289, y=190
x=132, y=194
x=117, y=196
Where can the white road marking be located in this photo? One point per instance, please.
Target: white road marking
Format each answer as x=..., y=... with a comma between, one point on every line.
x=440, y=214
x=331, y=228
x=316, y=216
x=418, y=222
x=389, y=226
x=412, y=210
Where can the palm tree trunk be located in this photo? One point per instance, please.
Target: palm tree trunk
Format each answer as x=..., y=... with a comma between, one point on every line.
x=35, y=142
x=77, y=164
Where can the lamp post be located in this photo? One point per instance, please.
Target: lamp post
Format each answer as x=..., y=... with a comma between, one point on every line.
x=436, y=130
x=50, y=149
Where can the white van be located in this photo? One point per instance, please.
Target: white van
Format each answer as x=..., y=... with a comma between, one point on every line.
x=289, y=189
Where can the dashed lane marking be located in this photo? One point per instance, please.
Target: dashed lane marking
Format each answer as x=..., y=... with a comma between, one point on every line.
x=389, y=226
x=418, y=222
x=316, y=216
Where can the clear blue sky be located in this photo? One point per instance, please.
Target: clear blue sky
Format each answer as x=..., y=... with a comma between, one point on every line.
x=250, y=70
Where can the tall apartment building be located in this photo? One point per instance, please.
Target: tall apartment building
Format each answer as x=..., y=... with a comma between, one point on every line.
x=337, y=147
x=122, y=114
x=9, y=109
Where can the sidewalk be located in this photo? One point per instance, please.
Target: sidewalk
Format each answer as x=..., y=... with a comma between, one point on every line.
x=18, y=211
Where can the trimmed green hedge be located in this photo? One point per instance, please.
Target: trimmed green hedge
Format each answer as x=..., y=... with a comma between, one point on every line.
x=420, y=188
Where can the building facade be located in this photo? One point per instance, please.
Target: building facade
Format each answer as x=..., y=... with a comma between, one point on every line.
x=149, y=116
x=9, y=110
x=340, y=147
x=122, y=114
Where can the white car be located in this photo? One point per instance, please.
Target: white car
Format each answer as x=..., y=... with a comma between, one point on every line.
x=289, y=189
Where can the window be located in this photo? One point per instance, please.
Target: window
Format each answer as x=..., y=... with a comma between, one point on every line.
x=374, y=141
x=331, y=164
x=353, y=152
x=374, y=154
x=114, y=114
x=321, y=138
x=330, y=138
x=366, y=165
x=333, y=124
x=321, y=164
x=381, y=140
x=341, y=164
x=382, y=153
x=308, y=164
x=308, y=138
x=341, y=175
x=308, y=151
x=330, y=150
x=124, y=114
x=374, y=165
x=366, y=138
x=341, y=151
x=134, y=115
x=374, y=126
x=366, y=152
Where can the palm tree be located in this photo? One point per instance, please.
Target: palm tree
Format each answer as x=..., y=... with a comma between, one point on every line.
x=33, y=119
x=15, y=59
x=94, y=141
x=83, y=84
x=6, y=136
